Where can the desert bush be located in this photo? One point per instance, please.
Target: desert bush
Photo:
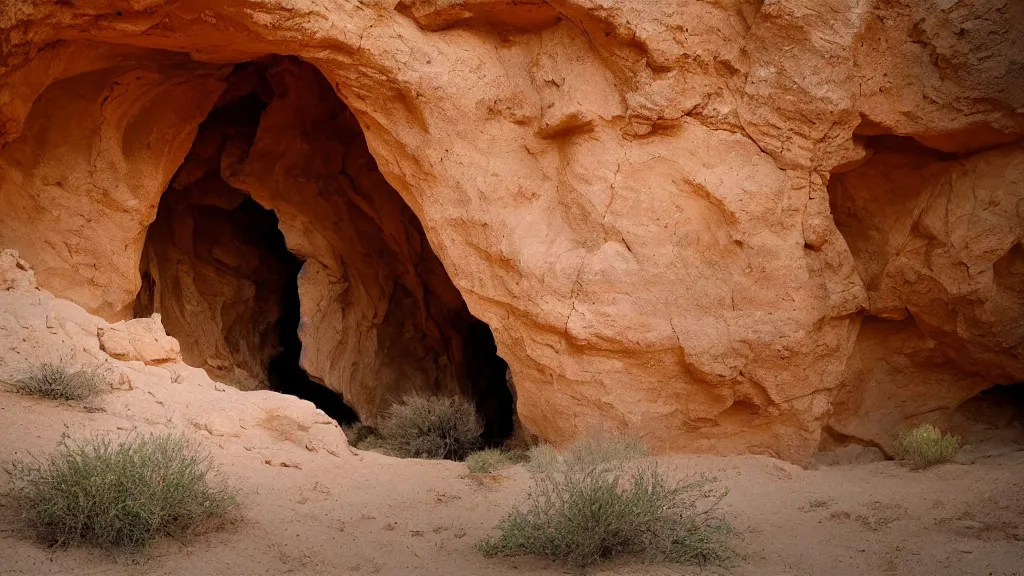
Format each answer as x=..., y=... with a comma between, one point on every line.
x=58, y=381
x=925, y=446
x=596, y=449
x=118, y=495
x=598, y=501
x=433, y=427
x=362, y=437
x=492, y=460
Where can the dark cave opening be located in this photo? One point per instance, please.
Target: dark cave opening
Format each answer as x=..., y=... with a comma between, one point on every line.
x=216, y=264
x=488, y=374
x=284, y=373
x=271, y=271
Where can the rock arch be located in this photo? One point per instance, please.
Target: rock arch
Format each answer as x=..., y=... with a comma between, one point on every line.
x=633, y=195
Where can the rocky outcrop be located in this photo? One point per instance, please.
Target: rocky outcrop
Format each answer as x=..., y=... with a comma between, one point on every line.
x=150, y=388
x=640, y=198
x=142, y=340
x=15, y=273
x=937, y=241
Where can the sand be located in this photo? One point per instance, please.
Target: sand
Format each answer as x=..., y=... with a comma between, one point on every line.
x=308, y=511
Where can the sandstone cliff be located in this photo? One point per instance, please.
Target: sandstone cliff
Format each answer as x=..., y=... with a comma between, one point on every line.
x=723, y=225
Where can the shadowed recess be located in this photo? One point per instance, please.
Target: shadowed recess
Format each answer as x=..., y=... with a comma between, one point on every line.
x=282, y=259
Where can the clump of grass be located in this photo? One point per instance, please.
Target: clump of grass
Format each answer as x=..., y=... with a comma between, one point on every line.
x=925, y=446
x=492, y=460
x=58, y=381
x=816, y=504
x=118, y=495
x=596, y=502
x=433, y=427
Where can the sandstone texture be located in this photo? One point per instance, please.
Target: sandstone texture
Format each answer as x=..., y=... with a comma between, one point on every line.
x=725, y=226
x=137, y=360
x=15, y=273
x=142, y=339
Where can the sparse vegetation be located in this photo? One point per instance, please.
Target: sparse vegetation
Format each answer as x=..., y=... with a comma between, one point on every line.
x=817, y=504
x=925, y=446
x=599, y=500
x=58, y=381
x=435, y=427
x=362, y=437
x=597, y=449
x=492, y=460
x=118, y=495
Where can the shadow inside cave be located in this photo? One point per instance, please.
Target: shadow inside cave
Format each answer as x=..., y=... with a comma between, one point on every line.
x=218, y=267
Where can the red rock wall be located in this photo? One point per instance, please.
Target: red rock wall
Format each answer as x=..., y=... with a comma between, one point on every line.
x=636, y=195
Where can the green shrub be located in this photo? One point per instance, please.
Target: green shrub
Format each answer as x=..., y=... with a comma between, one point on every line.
x=118, y=495
x=56, y=380
x=601, y=448
x=492, y=460
x=433, y=427
x=925, y=446
x=595, y=503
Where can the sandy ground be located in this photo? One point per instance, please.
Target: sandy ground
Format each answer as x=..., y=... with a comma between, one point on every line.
x=311, y=512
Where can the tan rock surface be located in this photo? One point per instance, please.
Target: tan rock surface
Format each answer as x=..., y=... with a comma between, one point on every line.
x=940, y=239
x=140, y=361
x=142, y=339
x=632, y=194
x=15, y=273
x=937, y=241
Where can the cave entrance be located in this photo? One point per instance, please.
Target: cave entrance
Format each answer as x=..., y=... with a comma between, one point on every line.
x=281, y=259
x=218, y=268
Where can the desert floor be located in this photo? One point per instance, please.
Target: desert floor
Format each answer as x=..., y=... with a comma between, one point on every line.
x=311, y=512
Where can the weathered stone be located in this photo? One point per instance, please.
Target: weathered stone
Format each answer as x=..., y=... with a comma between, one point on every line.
x=142, y=339
x=15, y=273
x=633, y=194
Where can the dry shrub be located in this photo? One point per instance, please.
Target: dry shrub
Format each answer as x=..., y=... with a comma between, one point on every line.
x=597, y=449
x=121, y=495
x=362, y=437
x=434, y=427
x=58, y=381
x=925, y=446
x=599, y=500
x=492, y=460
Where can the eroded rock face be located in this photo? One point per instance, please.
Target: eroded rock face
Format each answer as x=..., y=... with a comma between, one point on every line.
x=216, y=267
x=636, y=196
x=15, y=273
x=142, y=339
x=937, y=240
x=279, y=179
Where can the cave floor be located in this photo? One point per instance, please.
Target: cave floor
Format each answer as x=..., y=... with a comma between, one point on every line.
x=310, y=512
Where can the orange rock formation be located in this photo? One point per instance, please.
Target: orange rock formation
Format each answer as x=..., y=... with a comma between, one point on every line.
x=725, y=226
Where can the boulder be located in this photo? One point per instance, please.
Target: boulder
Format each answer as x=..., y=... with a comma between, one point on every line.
x=142, y=339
